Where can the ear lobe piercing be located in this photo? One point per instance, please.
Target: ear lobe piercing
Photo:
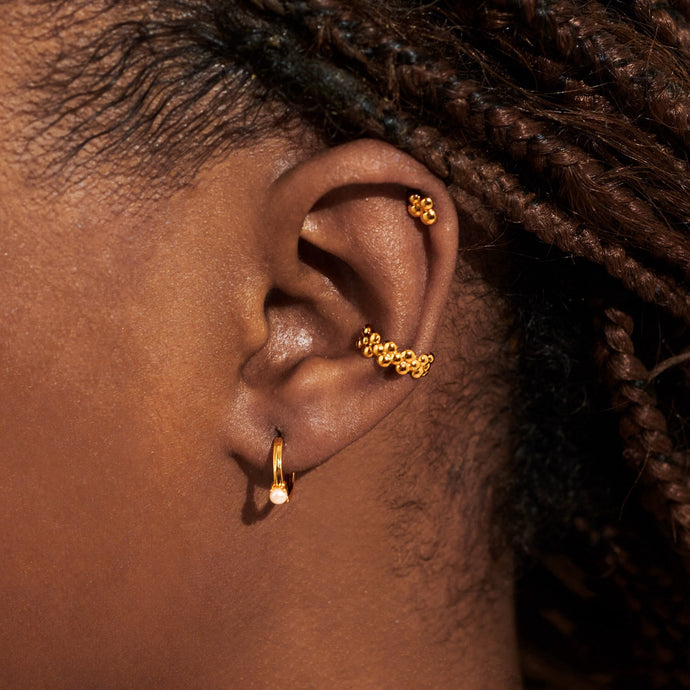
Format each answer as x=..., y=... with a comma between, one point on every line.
x=387, y=354
x=422, y=208
x=280, y=489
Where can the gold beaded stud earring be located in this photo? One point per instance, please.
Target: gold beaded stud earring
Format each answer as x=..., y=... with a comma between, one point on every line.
x=387, y=354
x=280, y=489
x=422, y=208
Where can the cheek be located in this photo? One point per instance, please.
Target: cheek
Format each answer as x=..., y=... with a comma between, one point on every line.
x=120, y=508
x=114, y=361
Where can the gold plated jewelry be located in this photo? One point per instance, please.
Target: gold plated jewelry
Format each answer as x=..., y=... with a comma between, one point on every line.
x=280, y=489
x=387, y=354
x=422, y=208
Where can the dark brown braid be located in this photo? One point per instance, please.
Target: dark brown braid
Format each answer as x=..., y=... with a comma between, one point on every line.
x=647, y=445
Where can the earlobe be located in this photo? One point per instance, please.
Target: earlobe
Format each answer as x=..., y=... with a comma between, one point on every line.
x=344, y=247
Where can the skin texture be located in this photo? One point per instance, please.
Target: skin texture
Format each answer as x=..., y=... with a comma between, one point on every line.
x=149, y=350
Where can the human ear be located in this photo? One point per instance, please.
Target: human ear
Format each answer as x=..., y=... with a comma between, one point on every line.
x=340, y=251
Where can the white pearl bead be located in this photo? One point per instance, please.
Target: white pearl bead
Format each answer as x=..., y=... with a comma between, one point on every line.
x=278, y=495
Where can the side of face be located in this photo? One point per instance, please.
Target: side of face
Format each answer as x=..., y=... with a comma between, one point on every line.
x=151, y=347
x=120, y=334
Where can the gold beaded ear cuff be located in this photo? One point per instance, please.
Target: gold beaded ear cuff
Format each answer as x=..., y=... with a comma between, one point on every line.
x=280, y=489
x=422, y=208
x=387, y=354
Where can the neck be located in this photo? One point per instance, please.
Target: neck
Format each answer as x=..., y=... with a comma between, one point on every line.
x=369, y=596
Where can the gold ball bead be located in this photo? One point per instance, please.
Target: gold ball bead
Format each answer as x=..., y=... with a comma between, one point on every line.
x=366, y=330
x=402, y=368
x=423, y=360
x=377, y=349
x=414, y=210
x=397, y=357
x=367, y=351
x=374, y=338
x=426, y=203
x=416, y=374
x=408, y=355
x=414, y=199
x=431, y=358
x=428, y=217
x=384, y=360
x=390, y=347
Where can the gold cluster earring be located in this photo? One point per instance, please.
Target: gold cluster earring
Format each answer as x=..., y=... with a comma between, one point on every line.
x=422, y=208
x=387, y=354
x=281, y=489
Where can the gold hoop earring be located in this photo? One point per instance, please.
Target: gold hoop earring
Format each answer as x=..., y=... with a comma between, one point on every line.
x=422, y=208
x=387, y=354
x=280, y=489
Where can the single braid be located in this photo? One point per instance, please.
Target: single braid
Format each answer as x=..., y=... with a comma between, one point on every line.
x=647, y=446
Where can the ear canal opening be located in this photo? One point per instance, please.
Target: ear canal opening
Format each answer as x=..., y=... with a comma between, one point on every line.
x=277, y=298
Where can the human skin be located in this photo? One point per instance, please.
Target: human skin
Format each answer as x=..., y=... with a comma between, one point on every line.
x=150, y=348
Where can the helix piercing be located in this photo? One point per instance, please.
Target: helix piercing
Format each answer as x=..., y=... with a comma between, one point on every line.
x=387, y=354
x=422, y=208
x=280, y=489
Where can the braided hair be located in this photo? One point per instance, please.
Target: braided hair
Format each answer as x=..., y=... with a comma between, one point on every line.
x=562, y=128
